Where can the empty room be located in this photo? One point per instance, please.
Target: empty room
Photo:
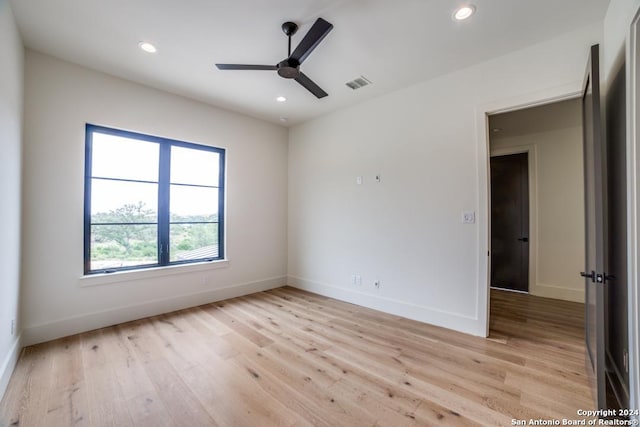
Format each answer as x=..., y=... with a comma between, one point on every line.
x=319, y=213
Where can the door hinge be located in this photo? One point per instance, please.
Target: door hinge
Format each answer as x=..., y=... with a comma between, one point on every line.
x=625, y=360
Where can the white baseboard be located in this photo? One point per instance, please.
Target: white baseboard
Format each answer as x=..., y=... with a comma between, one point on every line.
x=557, y=292
x=9, y=364
x=90, y=321
x=420, y=313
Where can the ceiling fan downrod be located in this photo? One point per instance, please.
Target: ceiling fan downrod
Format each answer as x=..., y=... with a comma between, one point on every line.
x=289, y=28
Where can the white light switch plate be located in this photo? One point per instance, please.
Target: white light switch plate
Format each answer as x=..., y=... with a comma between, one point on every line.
x=469, y=217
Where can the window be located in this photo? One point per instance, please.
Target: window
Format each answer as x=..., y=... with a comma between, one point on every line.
x=150, y=201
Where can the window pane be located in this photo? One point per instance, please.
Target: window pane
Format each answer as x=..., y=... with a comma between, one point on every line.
x=125, y=158
x=189, y=166
x=191, y=204
x=116, y=246
x=193, y=241
x=123, y=201
x=137, y=184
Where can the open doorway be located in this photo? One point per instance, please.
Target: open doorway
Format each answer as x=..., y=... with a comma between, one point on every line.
x=537, y=237
x=537, y=201
x=551, y=137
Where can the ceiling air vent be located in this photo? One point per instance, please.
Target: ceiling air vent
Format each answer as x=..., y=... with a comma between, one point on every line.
x=358, y=83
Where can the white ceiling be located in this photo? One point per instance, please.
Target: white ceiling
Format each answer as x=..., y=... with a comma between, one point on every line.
x=542, y=118
x=392, y=43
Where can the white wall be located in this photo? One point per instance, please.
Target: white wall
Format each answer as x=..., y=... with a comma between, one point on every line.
x=406, y=231
x=11, y=88
x=60, y=98
x=558, y=220
x=616, y=29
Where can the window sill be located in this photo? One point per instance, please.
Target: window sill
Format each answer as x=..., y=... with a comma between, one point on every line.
x=149, y=273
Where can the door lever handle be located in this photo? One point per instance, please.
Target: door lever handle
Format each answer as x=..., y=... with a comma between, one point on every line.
x=523, y=239
x=598, y=278
x=591, y=275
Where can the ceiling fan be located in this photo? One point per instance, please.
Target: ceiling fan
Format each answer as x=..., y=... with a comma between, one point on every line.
x=289, y=68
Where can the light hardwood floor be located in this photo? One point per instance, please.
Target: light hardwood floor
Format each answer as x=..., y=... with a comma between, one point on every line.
x=288, y=357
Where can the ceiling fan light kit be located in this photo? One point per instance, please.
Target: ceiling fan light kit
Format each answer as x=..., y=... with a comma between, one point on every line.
x=289, y=68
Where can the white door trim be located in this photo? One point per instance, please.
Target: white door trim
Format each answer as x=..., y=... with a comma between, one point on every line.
x=633, y=205
x=560, y=93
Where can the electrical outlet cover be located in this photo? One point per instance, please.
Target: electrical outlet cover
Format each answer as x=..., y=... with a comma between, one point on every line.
x=469, y=217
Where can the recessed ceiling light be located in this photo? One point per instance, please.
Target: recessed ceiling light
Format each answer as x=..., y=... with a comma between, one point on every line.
x=147, y=47
x=281, y=99
x=496, y=130
x=284, y=119
x=464, y=12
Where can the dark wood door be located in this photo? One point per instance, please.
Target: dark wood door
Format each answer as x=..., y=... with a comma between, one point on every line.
x=616, y=286
x=510, y=222
x=595, y=198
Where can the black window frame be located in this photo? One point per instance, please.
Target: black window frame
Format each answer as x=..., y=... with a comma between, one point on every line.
x=163, y=208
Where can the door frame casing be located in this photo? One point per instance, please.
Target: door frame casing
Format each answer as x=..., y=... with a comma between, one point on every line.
x=530, y=150
x=533, y=99
x=572, y=90
x=633, y=205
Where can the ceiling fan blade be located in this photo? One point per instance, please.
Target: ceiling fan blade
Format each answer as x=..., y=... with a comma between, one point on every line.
x=308, y=84
x=245, y=67
x=311, y=40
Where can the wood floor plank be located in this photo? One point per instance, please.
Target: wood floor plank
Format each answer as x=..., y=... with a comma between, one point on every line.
x=127, y=367
x=303, y=397
x=106, y=405
x=287, y=357
x=162, y=362
x=147, y=409
x=178, y=397
x=27, y=405
x=210, y=335
x=237, y=326
x=69, y=398
x=12, y=405
x=231, y=397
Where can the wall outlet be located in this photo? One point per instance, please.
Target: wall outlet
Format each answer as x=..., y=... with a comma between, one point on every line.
x=378, y=178
x=13, y=327
x=468, y=217
x=359, y=180
x=376, y=285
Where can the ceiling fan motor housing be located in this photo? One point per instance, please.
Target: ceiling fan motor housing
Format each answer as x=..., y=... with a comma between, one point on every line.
x=289, y=68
